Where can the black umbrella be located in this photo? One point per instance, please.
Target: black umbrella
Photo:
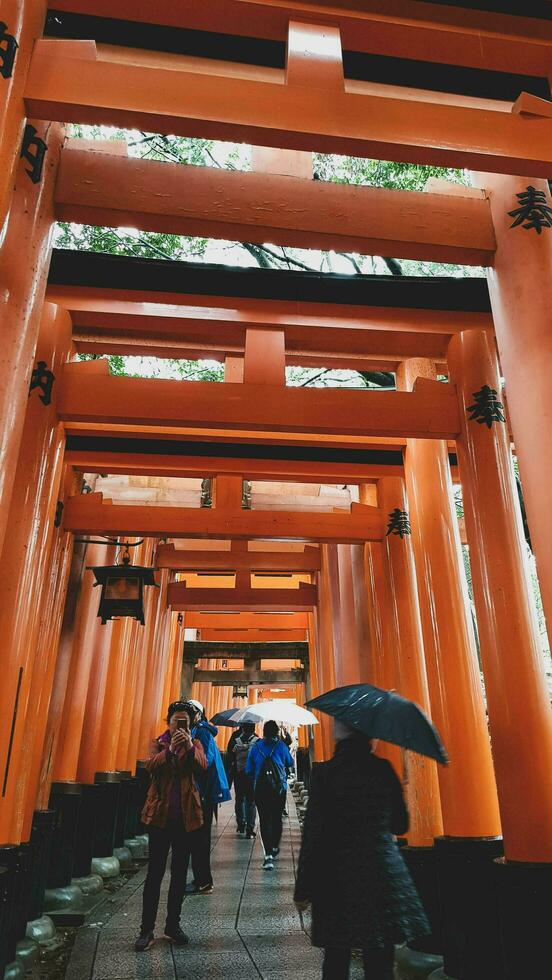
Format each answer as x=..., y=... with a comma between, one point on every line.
x=222, y=719
x=385, y=715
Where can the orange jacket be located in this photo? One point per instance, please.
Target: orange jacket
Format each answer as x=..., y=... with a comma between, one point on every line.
x=163, y=767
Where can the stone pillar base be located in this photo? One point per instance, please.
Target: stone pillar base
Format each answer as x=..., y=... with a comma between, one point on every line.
x=14, y=971
x=106, y=867
x=42, y=930
x=27, y=953
x=59, y=899
x=412, y=965
x=90, y=885
x=136, y=848
x=124, y=856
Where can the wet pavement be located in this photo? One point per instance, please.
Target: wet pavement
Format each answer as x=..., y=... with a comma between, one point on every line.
x=247, y=929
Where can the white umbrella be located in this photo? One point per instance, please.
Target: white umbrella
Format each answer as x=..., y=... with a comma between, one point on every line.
x=286, y=712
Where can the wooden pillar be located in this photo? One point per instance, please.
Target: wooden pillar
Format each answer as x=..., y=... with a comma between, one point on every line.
x=349, y=653
x=22, y=23
x=383, y=668
x=518, y=703
x=143, y=675
x=468, y=789
x=519, y=287
x=364, y=641
x=55, y=717
x=101, y=640
x=87, y=644
x=142, y=736
x=51, y=617
x=420, y=773
x=24, y=257
x=25, y=570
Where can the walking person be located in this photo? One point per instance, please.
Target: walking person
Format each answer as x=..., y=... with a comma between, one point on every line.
x=173, y=815
x=244, y=791
x=350, y=867
x=213, y=789
x=267, y=764
x=230, y=762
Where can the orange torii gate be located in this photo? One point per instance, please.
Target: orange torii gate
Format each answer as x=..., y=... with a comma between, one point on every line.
x=388, y=603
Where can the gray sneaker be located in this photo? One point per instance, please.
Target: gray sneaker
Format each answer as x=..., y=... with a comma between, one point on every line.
x=268, y=863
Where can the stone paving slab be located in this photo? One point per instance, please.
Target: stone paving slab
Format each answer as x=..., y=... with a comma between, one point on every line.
x=248, y=928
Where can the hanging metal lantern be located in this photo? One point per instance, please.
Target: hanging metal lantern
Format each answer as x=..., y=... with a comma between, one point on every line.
x=122, y=589
x=239, y=691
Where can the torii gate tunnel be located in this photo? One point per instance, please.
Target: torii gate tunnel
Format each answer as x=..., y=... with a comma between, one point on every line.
x=303, y=538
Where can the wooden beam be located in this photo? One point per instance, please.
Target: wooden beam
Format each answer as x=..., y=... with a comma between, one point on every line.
x=294, y=471
x=167, y=556
x=229, y=678
x=430, y=411
x=103, y=188
x=181, y=597
x=447, y=34
x=71, y=81
x=199, y=650
x=254, y=636
x=245, y=621
x=90, y=514
x=221, y=320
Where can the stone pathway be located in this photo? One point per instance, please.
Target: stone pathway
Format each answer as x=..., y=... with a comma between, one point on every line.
x=247, y=929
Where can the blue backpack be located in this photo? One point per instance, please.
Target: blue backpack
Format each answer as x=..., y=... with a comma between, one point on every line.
x=270, y=776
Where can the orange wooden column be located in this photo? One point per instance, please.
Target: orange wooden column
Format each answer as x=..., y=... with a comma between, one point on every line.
x=321, y=731
x=51, y=616
x=95, y=695
x=24, y=256
x=420, y=774
x=519, y=287
x=517, y=698
x=153, y=710
x=468, y=789
x=25, y=571
x=143, y=675
x=349, y=652
x=142, y=710
x=87, y=650
x=56, y=711
x=22, y=23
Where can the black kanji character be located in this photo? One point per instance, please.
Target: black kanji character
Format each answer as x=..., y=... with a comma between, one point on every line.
x=44, y=379
x=8, y=50
x=398, y=523
x=33, y=151
x=533, y=213
x=486, y=408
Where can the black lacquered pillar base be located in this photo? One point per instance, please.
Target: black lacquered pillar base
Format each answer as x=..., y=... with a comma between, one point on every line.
x=524, y=898
x=86, y=829
x=471, y=944
x=107, y=806
x=65, y=799
x=422, y=862
x=42, y=835
x=9, y=872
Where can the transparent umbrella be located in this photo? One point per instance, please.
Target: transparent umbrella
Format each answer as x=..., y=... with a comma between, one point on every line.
x=286, y=712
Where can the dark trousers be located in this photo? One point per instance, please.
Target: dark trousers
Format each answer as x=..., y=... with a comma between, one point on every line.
x=201, y=853
x=270, y=806
x=244, y=801
x=172, y=836
x=378, y=963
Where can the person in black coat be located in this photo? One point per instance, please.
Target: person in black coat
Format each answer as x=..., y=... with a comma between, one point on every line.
x=350, y=867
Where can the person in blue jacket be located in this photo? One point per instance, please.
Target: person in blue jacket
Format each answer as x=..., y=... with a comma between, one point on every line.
x=213, y=789
x=268, y=763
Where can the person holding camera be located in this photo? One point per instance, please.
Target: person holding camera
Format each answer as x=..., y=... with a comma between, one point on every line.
x=173, y=816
